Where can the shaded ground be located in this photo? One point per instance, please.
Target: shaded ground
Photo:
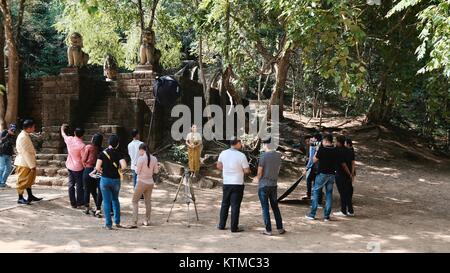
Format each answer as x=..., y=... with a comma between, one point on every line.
x=401, y=201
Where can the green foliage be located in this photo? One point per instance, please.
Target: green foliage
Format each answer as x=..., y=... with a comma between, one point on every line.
x=41, y=46
x=113, y=27
x=179, y=153
x=367, y=57
x=402, y=5
x=434, y=22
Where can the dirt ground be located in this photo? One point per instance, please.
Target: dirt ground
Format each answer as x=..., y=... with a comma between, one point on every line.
x=402, y=204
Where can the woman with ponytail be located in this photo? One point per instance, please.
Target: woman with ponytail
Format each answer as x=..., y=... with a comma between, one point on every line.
x=146, y=166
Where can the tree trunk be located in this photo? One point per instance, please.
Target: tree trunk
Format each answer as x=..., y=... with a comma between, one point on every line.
x=201, y=67
x=294, y=91
x=19, y=21
x=141, y=16
x=152, y=14
x=377, y=112
x=200, y=63
x=281, y=71
x=448, y=139
x=226, y=82
x=227, y=32
x=13, y=66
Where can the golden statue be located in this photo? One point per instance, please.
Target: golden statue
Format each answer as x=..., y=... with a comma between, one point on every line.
x=76, y=56
x=195, y=146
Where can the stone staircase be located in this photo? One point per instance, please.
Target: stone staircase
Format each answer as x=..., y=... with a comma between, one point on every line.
x=97, y=118
x=51, y=169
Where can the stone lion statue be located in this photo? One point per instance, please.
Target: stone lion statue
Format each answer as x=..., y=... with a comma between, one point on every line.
x=110, y=67
x=76, y=56
x=147, y=50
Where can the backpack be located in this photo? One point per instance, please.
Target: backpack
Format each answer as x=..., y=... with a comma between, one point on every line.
x=6, y=146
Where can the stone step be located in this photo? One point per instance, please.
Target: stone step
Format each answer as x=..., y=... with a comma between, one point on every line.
x=51, y=156
x=99, y=113
x=97, y=119
x=56, y=163
x=91, y=131
x=51, y=171
x=87, y=126
x=51, y=181
x=49, y=150
x=44, y=156
x=51, y=128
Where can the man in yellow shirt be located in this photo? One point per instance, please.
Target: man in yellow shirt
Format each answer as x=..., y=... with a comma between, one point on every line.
x=26, y=163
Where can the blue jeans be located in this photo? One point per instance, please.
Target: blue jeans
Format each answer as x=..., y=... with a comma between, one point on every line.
x=5, y=168
x=322, y=180
x=267, y=194
x=110, y=191
x=134, y=175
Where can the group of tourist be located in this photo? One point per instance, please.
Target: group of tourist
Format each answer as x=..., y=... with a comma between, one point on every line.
x=97, y=172
x=234, y=166
x=327, y=163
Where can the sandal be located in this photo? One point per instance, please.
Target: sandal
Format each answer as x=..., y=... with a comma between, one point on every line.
x=98, y=214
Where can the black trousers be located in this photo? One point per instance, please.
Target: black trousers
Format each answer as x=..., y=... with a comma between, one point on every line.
x=345, y=188
x=232, y=196
x=91, y=187
x=76, y=182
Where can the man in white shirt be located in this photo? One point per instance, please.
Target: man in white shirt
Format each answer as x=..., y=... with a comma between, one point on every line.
x=234, y=166
x=133, y=152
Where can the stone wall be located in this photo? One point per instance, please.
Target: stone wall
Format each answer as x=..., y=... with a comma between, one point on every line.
x=81, y=98
x=31, y=100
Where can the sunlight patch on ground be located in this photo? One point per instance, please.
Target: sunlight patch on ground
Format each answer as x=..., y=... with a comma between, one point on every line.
x=400, y=237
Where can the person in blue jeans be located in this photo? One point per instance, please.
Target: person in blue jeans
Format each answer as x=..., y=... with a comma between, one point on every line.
x=327, y=159
x=268, y=169
x=109, y=163
x=311, y=168
x=6, y=153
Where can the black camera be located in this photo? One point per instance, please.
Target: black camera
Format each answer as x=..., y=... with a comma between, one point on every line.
x=314, y=143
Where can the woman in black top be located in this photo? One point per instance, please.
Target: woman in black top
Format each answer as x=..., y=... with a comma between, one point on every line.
x=110, y=163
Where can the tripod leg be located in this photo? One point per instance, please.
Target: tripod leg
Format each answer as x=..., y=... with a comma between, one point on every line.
x=193, y=200
x=174, y=200
x=195, y=207
x=188, y=218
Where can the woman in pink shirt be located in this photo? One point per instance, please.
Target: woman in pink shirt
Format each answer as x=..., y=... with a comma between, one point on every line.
x=146, y=166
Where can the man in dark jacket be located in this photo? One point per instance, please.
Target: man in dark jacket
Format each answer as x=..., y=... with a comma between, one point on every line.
x=6, y=152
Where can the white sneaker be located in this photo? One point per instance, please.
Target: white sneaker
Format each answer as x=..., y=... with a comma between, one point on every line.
x=326, y=220
x=339, y=214
x=309, y=218
x=351, y=214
